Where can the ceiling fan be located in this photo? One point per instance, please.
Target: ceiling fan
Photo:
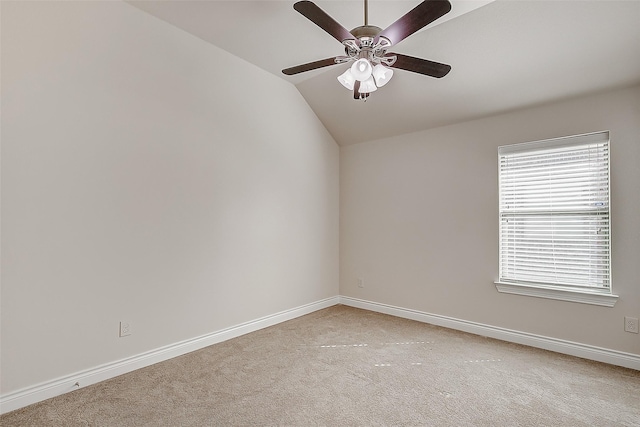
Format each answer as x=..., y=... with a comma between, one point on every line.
x=366, y=46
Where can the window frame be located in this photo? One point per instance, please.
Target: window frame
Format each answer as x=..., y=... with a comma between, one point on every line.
x=587, y=295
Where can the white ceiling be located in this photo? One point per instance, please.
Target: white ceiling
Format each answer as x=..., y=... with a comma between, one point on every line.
x=504, y=55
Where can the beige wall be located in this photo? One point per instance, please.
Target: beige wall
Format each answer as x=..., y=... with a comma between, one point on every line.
x=419, y=220
x=151, y=177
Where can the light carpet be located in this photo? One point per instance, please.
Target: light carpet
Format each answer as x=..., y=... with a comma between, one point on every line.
x=343, y=366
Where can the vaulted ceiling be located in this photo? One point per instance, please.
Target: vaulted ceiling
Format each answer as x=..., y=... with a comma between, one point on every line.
x=505, y=55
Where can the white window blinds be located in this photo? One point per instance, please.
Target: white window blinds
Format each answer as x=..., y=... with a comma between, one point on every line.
x=554, y=212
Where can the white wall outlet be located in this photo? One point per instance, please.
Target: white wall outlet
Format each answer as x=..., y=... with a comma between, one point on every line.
x=125, y=329
x=631, y=324
x=360, y=282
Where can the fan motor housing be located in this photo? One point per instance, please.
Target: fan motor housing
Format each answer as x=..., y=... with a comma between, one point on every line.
x=366, y=31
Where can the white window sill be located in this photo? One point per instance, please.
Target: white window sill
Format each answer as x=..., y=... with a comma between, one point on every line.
x=584, y=297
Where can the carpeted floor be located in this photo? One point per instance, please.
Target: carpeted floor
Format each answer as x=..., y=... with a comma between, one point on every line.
x=348, y=367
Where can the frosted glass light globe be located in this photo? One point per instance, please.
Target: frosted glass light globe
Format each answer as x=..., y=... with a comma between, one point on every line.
x=382, y=74
x=346, y=79
x=367, y=86
x=361, y=69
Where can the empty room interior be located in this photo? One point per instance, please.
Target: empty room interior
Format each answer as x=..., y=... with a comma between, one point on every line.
x=167, y=191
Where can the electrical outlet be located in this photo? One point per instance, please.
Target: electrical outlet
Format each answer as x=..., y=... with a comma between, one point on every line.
x=631, y=324
x=360, y=282
x=125, y=329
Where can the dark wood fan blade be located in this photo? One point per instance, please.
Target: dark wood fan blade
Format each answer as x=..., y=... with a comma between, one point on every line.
x=309, y=66
x=322, y=20
x=421, y=66
x=417, y=18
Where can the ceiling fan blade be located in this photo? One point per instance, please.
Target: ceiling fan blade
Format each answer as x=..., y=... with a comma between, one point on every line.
x=322, y=20
x=421, y=66
x=309, y=66
x=417, y=18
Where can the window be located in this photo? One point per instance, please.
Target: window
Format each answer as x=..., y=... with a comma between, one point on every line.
x=555, y=238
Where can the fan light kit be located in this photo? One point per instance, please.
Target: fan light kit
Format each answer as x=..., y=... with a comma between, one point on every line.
x=366, y=47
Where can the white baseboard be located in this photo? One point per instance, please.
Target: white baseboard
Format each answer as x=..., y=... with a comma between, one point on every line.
x=613, y=357
x=46, y=390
